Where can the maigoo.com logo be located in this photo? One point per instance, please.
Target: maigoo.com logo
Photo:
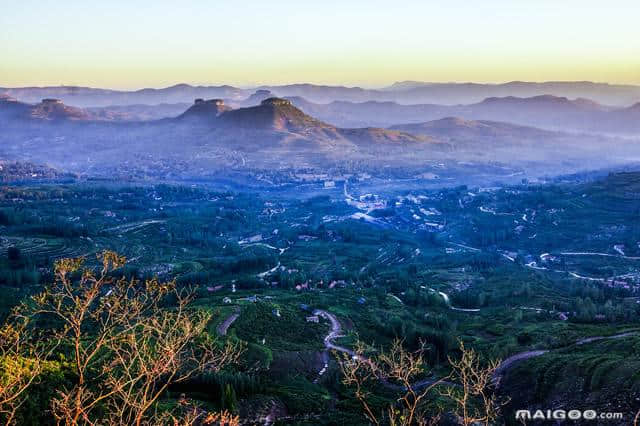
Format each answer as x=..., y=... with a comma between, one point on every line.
x=566, y=415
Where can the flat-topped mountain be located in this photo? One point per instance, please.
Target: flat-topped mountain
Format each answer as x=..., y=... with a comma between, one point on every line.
x=49, y=109
x=55, y=109
x=5, y=97
x=273, y=114
x=205, y=109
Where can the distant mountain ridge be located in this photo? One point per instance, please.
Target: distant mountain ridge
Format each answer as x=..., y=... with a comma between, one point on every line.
x=95, y=97
x=604, y=93
x=480, y=133
x=543, y=111
x=402, y=93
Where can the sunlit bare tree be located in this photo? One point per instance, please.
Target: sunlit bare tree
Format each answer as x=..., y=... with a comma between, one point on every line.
x=475, y=402
x=398, y=369
x=126, y=347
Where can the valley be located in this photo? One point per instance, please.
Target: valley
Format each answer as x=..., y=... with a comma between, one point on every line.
x=529, y=273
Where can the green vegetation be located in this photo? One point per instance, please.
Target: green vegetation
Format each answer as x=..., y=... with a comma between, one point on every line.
x=506, y=270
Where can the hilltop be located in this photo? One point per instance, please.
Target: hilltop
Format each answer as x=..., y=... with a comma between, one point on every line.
x=54, y=109
x=274, y=114
x=205, y=109
x=48, y=109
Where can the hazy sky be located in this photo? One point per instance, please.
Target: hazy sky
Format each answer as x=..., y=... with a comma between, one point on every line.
x=141, y=43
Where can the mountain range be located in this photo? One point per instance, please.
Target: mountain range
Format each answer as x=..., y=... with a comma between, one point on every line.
x=544, y=111
x=208, y=134
x=293, y=132
x=402, y=93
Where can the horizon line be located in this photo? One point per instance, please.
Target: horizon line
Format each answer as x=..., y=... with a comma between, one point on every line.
x=346, y=85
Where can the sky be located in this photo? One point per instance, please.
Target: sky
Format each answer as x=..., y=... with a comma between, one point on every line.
x=369, y=43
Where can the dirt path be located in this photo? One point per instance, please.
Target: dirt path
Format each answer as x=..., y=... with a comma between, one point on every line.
x=224, y=326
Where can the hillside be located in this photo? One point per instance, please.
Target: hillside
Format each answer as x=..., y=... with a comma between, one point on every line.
x=373, y=135
x=455, y=128
x=138, y=112
x=15, y=171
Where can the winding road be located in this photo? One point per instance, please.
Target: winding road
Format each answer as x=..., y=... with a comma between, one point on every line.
x=224, y=326
x=335, y=332
x=505, y=365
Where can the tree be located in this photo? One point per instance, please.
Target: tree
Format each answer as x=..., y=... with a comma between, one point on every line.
x=397, y=369
x=21, y=363
x=127, y=340
x=400, y=370
x=229, y=400
x=474, y=401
